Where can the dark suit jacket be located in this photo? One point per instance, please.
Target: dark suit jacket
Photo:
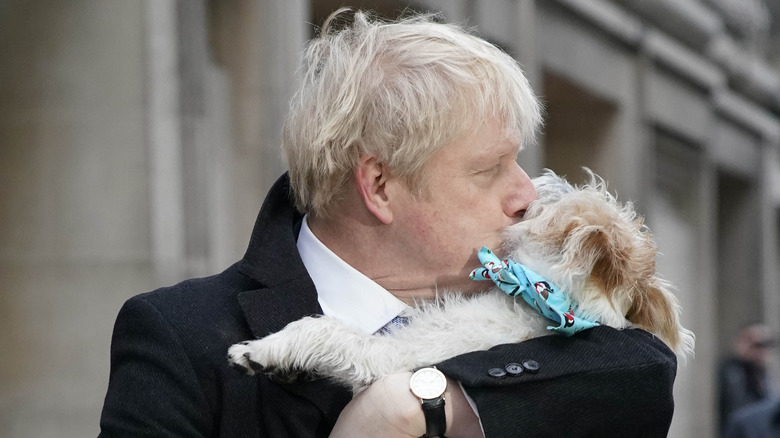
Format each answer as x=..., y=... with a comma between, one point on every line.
x=169, y=375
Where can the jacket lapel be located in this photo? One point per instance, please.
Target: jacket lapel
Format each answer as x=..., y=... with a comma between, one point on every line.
x=287, y=293
x=269, y=309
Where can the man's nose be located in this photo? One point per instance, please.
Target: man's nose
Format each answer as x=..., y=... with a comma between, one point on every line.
x=520, y=193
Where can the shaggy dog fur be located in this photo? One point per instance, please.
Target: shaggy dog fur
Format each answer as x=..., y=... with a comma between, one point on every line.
x=580, y=238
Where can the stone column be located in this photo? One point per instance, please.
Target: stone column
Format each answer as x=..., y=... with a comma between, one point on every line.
x=259, y=44
x=74, y=239
x=164, y=139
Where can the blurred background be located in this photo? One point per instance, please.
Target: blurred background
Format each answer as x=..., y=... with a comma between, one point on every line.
x=138, y=139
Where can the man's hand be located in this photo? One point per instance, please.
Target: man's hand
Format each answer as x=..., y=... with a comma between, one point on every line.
x=388, y=408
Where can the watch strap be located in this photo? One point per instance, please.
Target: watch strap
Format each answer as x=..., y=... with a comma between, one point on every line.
x=435, y=419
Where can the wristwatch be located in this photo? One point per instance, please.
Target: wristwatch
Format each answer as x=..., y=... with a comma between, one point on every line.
x=429, y=384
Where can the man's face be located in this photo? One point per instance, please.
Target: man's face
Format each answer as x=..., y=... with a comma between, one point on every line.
x=754, y=344
x=475, y=188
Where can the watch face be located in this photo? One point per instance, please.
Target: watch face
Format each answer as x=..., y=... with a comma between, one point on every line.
x=428, y=383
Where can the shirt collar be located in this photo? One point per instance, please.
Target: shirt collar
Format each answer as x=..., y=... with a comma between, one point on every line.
x=344, y=292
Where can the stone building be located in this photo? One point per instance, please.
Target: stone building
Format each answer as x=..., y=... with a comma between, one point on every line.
x=138, y=138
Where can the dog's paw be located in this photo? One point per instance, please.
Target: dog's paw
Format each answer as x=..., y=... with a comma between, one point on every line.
x=241, y=356
x=303, y=350
x=252, y=357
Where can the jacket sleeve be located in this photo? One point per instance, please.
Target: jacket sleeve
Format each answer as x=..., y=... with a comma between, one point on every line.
x=600, y=382
x=153, y=390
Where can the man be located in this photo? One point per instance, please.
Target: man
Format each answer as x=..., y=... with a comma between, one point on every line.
x=756, y=420
x=402, y=145
x=743, y=377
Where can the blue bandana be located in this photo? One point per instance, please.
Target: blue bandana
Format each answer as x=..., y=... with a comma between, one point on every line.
x=514, y=278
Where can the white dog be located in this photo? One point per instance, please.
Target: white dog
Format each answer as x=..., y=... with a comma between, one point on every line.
x=579, y=238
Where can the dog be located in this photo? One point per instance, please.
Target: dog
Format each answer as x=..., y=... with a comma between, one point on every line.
x=580, y=238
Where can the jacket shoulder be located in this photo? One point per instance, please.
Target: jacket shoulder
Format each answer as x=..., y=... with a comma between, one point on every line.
x=197, y=298
x=202, y=313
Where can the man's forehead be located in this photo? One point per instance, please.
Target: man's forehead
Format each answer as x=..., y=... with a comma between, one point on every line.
x=501, y=143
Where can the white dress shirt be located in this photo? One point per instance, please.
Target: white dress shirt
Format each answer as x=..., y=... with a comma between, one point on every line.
x=344, y=292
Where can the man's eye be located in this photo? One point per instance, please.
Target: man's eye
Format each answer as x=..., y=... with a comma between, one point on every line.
x=490, y=170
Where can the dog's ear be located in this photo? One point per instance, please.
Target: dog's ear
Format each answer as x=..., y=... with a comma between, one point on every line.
x=609, y=269
x=655, y=309
x=628, y=276
x=598, y=254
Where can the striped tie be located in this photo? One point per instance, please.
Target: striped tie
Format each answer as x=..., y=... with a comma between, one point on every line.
x=394, y=324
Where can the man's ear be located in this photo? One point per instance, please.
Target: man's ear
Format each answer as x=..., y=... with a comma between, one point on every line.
x=371, y=179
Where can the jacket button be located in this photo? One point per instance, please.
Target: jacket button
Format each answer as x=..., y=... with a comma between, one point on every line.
x=496, y=372
x=531, y=366
x=514, y=369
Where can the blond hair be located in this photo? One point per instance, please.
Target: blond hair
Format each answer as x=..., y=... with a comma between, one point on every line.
x=397, y=91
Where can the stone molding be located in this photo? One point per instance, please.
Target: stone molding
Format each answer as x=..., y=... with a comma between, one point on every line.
x=749, y=20
x=693, y=39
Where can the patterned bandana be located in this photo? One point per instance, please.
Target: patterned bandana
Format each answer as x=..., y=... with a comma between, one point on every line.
x=514, y=278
